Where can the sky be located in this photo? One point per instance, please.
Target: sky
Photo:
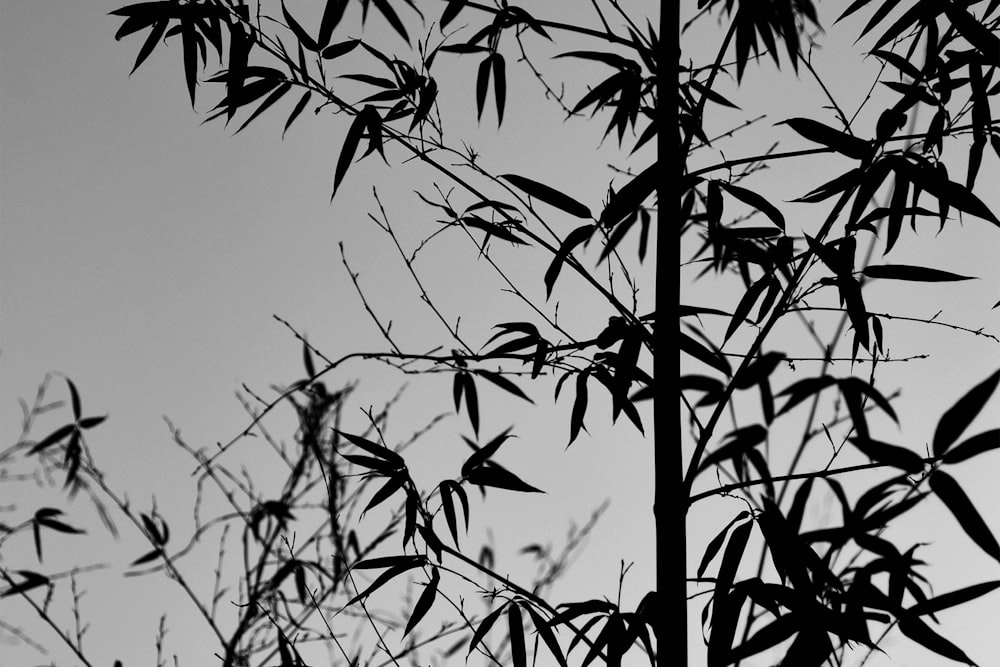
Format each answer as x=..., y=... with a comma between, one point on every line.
x=144, y=254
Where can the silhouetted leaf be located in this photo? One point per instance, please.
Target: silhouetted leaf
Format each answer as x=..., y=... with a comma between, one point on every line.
x=482, y=85
x=947, y=192
x=529, y=339
x=920, y=632
x=372, y=463
x=887, y=454
x=803, y=389
x=499, y=85
x=304, y=38
x=767, y=637
x=481, y=455
x=959, y=416
x=451, y=11
x=954, y=498
x=491, y=228
x=339, y=49
x=725, y=607
x=504, y=383
x=711, y=95
x=716, y=543
x=579, y=407
x=350, y=147
x=578, y=236
x=977, y=444
x=500, y=478
x=386, y=577
x=484, y=627
x=975, y=32
x=390, y=15
x=299, y=107
x=147, y=557
x=153, y=530
x=754, y=200
x=52, y=438
x=30, y=580
x=630, y=197
x=332, y=14
x=447, y=488
x=518, y=656
x=855, y=385
x=393, y=484
x=953, y=598
x=275, y=95
x=841, y=142
x=759, y=370
x=747, y=301
x=703, y=354
x=735, y=445
x=465, y=386
x=917, y=273
x=549, y=195
x=373, y=448
x=545, y=632
x=424, y=602
x=408, y=560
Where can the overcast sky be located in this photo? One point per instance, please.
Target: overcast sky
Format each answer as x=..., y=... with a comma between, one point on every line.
x=143, y=255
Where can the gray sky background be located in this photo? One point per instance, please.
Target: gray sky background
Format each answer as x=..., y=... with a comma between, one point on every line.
x=143, y=255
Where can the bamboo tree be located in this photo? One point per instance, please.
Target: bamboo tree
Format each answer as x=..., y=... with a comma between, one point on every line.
x=814, y=606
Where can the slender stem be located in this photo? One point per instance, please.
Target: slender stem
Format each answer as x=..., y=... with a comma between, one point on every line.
x=816, y=474
x=669, y=502
x=777, y=313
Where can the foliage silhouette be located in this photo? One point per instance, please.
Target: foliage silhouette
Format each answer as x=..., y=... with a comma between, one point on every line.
x=818, y=593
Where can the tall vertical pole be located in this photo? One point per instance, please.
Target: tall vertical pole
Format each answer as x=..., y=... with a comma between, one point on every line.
x=670, y=501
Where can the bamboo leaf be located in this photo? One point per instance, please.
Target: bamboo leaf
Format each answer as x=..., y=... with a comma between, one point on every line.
x=578, y=236
x=747, y=301
x=500, y=478
x=383, y=579
x=500, y=381
x=31, y=580
x=841, y=142
x=754, y=200
x=339, y=49
x=955, y=499
x=579, y=407
x=482, y=454
x=304, y=38
x=332, y=14
x=959, y=416
x=499, y=85
x=974, y=446
x=390, y=15
x=299, y=107
x=449, y=511
x=953, y=598
x=630, y=197
x=349, y=149
x=914, y=273
x=545, y=632
x=703, y=354
x=713, y=547
x=482, y=86
x=451, y=11
x=373, y=448
x=920, y=632
x=424, y=602
x=483, y=628
x=518, y=656
x=393, y=484
x=549, y=195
